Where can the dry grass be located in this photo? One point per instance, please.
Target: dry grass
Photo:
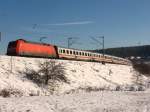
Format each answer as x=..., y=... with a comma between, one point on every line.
x=141, y=67
x=10, y=92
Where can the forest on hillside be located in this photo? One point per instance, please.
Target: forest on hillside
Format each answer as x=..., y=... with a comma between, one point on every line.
x=136, y=51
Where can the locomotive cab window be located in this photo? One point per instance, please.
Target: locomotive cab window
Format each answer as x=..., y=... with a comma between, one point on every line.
x=67, y=52
x=12, y=44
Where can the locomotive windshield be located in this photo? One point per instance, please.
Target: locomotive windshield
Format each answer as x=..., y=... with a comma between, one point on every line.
x=11, y=50
x=12, y=44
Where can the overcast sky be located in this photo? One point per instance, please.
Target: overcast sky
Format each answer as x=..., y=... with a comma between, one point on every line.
x=121, y=22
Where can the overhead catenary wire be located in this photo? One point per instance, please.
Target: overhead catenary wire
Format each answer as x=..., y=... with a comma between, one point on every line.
x=99, y=42
x=71, y=41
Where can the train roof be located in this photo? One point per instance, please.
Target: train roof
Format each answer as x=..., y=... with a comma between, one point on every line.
x=34, y=42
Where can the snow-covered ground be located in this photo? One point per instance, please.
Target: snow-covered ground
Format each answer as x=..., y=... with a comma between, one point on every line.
x=80, y=75
x=110, y=101
x=72, y=99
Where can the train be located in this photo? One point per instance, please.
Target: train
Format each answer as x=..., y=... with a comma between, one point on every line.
x=26, y=48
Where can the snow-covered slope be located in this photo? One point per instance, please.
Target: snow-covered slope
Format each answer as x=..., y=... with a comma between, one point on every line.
x=80, y=75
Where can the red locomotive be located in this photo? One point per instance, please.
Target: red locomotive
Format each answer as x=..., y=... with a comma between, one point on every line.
x=25, y=48
x=32, y=49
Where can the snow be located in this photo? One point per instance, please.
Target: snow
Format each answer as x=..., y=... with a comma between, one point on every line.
x=81, y=75
x=102, y=101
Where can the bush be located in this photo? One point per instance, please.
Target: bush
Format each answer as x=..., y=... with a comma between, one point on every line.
x=5, y=93
x=34, y=76
x=141, y=88
x=90, y=89
x=134, y=88
x=10, y=92
x=48, y=70
x=118, y=88
x=141, y=67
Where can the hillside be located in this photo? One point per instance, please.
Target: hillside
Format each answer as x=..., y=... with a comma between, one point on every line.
x=136, y=51
x=80, y=74
x=93, y=87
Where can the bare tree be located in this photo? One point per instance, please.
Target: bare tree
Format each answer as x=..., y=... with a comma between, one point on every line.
x=51, y=70
x=48, y=70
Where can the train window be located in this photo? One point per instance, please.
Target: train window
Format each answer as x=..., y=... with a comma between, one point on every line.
x=77, y=53
x=74, y=52
x=80, y=53
x=85, y=54
x=63, y=51
x=67, y=52
x=70, y=52
x=59, y=50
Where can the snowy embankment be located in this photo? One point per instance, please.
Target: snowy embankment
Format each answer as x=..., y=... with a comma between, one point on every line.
x=80, y=74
